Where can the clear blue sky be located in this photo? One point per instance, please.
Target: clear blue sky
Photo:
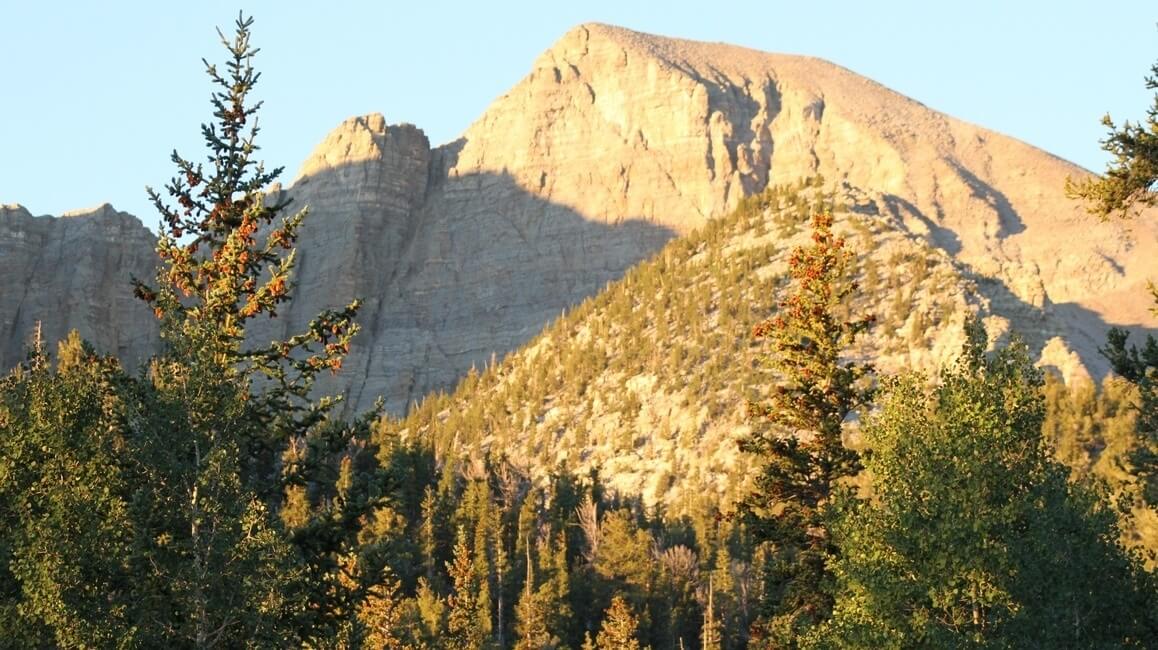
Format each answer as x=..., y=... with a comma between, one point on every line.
x=96, y=95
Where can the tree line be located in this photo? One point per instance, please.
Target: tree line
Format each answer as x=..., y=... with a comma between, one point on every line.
x=212, y=500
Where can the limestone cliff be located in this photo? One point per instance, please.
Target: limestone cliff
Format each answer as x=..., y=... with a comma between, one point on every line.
x=73, y=272
x=617, y=142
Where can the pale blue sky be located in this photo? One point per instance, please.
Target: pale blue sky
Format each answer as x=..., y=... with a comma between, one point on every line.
x=95, y=95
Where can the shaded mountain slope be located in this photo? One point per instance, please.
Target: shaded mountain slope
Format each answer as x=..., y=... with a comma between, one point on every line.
x=74, y=272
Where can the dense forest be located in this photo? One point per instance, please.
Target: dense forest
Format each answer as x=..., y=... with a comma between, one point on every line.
x=213, y=499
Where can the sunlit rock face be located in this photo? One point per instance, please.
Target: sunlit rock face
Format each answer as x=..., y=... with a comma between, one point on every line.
x=613, y=144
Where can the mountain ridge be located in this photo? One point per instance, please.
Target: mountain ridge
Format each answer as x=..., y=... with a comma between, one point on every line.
x=615, y=143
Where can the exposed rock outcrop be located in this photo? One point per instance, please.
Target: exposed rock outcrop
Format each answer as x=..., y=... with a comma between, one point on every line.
x=616, y=142
x=74, y=272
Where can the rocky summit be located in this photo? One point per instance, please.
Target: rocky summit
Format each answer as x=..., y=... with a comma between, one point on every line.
x=615, y=143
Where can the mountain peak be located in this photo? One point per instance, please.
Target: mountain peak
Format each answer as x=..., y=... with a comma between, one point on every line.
x=673, y=51
x=617, y=141
x=102, y=209
x=358, y=140
x=14, y=208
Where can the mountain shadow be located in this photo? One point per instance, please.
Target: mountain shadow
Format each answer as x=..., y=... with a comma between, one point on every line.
x=453, y=272
x=1009, y=221
x=451, y=278
x=1083, y=329
x=943, y=237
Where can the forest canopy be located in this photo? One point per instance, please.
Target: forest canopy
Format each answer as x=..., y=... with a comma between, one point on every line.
x=215, y=498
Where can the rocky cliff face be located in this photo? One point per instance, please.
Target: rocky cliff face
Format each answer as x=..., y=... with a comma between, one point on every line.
x=73, y=272
x=616, y=123
x=618, y=141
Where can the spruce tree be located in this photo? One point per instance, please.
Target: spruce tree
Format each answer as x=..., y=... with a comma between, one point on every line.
x=222, y=413
x=431, y=617
x=531, y=613
x=468, y=628
x=1131, y=179
x=796, y=437
x=619, y=628
x=556, y=591
x=381, y=617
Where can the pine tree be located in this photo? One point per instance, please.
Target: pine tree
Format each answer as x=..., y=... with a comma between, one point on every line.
x=797, y=437
x=431, y=614
x=499, y=575
x=1131, y=179
x=460, y=621
x=220, y=413
x=626, y=568
x=727, y=611
x=619, y=628
x=468, y=628
x=427, y=533
x=381, y=616
x=555, y=593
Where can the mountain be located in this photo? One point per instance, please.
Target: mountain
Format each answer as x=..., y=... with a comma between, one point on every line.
x=614, y=144
x=647, y=382
x=73, y=272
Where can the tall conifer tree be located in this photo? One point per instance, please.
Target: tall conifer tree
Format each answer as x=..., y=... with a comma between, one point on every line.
x=1130, y=184
x=797, y=438
x=222, y=413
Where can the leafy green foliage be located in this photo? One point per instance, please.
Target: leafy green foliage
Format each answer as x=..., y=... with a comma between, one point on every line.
x=1089, y=429
x=971, y=535
x=65, y=533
